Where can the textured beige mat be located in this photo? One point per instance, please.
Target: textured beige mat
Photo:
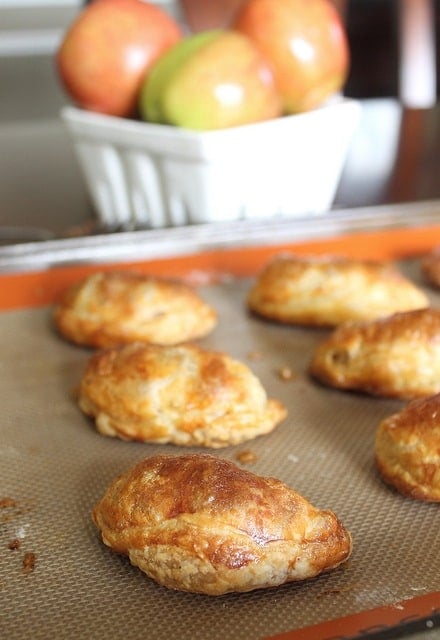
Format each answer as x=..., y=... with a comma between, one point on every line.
x=58, y=580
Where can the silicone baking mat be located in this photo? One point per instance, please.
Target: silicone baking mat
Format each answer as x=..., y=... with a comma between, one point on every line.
x=58, y=580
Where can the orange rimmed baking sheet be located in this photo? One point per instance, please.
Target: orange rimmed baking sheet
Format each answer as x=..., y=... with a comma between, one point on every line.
x=43, y=287
x=54, y=465
x=407, y=617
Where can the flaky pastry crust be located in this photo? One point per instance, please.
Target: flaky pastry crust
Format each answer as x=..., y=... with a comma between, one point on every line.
x=396, y=357
x=201, y=524
x=407, y=449
x=181, y=394
x=117, y=307
x=326, y=291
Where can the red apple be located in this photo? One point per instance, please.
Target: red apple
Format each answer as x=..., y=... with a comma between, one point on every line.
x=108, y=50
x=305, y=42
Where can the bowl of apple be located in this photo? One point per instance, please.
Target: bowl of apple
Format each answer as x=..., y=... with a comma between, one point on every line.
x=172, y=128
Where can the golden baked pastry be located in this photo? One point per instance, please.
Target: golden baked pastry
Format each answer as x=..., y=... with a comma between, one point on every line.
x=180, y=394
x=430, y=267
x=326, y=291
x=116, y=307
x=201, y=524
x=407, y=449
x=396, y=357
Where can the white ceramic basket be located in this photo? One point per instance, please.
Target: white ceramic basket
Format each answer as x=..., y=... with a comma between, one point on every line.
x=143, y=175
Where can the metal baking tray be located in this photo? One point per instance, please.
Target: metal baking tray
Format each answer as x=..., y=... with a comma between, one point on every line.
x=59, y=581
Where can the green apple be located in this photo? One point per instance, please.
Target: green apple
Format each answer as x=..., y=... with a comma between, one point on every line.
x=162, y=72
x=210, y=80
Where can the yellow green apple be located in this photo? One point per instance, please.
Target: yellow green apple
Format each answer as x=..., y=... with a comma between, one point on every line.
x=210, y=80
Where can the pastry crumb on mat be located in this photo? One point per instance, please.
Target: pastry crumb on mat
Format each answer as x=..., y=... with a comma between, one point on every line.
x=246, y=457
x=29, y=562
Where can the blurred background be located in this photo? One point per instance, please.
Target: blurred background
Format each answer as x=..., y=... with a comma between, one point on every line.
x=395, y=155
x=30, y=31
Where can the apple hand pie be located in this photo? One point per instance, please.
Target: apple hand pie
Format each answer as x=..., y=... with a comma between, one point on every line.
x=407, y=449
x=396, y=357
x=117, y=307
x=179, y=394
x=324, y=291
x=201, y=524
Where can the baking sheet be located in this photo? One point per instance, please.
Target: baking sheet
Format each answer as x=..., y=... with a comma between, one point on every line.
x=54, y=467
x=245, y=234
